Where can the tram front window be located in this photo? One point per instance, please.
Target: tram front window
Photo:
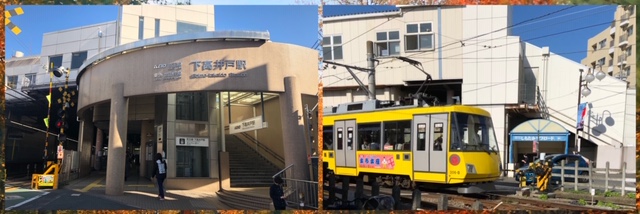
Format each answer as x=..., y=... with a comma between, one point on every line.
x=472, y=133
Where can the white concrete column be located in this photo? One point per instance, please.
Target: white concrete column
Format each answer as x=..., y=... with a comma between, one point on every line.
x=293, y=129
x=117, y=141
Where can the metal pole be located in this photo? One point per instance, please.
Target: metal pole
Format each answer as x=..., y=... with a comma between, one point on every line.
x=577, y=147
x=372, y=72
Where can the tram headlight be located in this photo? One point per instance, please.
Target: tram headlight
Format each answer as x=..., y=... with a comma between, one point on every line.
x=471, y=169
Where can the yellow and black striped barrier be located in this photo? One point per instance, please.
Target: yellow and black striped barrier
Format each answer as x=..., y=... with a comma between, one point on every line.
x=7, y=22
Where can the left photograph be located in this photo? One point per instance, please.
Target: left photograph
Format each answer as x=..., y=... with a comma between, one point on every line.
x=162, y=107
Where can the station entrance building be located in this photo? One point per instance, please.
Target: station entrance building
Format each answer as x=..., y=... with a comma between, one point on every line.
x=186, y=95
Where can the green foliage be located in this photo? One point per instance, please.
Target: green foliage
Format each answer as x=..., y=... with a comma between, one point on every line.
x=544, y=197
x=611, y=194
x=607, y=204
x=582, y=202
x=631, y=195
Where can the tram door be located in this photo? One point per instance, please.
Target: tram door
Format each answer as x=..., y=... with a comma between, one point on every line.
x=420, y=140
x=438, y=143
x=345, y=140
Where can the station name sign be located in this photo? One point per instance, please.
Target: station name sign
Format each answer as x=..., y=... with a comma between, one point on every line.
x=201, y=69
x=247, y=125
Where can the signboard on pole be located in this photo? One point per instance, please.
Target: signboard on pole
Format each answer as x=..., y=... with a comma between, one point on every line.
x=535, y=146
x=46, y=180
x=60, y=152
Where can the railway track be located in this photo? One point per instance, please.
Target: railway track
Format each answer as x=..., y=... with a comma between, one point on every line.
x=429, y=201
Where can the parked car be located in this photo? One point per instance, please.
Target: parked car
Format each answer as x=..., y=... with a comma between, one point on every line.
x=556, y=160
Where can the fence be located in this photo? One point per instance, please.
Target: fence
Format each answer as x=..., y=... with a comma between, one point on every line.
x=69, y=167
x=298, y=193
x=611, y=179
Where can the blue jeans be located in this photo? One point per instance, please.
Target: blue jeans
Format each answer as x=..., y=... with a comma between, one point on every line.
x=161, y=178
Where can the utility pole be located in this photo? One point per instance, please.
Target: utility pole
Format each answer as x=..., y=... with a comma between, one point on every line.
x=371, y=71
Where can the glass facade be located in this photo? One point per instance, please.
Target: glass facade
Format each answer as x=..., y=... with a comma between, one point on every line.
x=192, y=121
x=190, y=28
x=192, y=106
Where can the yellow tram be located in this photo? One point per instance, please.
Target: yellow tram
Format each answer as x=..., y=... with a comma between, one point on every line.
x=439, y=146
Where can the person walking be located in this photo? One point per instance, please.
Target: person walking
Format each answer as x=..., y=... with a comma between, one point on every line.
x=160, y=173
x=277, y=194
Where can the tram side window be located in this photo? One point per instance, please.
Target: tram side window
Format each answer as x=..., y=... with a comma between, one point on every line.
x=369, y=136
x=327, y=137
x=340, y=138
x=397, y=136
x=437, y=135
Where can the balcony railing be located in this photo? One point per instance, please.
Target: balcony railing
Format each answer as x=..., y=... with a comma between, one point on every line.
x=622, y=59
x=623, y=40
x=624, y=20
x=612, y=31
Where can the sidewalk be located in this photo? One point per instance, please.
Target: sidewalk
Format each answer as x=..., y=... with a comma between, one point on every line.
x=141, y=193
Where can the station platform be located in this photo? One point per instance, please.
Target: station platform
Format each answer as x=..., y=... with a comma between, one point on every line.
x=88, y=193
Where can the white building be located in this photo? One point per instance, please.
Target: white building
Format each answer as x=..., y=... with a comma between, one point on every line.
x=473, y=58
x=71, y=47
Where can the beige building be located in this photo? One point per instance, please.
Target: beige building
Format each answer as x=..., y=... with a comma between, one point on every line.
x=188, y=92
x=613, y=49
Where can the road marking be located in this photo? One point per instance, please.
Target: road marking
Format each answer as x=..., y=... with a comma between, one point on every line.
x=75, y=195
x=10, y=189
x=27, y=201
x=92, y=185
x=140, y=185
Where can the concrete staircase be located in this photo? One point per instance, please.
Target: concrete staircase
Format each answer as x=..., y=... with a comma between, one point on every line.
x=247, y=167
x=237, y=200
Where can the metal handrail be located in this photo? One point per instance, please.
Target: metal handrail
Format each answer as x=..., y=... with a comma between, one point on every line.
x=271, y=152
x=298, y=192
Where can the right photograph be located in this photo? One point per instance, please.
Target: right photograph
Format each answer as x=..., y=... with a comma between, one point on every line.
x=478, y=107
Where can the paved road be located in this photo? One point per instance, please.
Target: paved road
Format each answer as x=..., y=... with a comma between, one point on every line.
x=89, y=194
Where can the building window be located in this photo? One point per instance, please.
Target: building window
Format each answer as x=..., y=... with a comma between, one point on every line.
x=192, y=160
x=601, y=61
x=419, y=37
x=141, y=28
x=332, y=47
x=602, y=44
x=56, y=60
x=190, y=28
x=630, y=31
x=157, y=29
x=29, y=79
x=629, y=50
x=77, y=59
x=192, y=106
x=12, y=81
x=388, y=43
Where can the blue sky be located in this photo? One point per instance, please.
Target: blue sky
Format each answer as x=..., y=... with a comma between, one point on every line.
x=301, y=26
x=301, y=22
x=572, y=45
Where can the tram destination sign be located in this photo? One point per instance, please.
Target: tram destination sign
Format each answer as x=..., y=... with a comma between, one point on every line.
x=556, y=138
x=201, y=69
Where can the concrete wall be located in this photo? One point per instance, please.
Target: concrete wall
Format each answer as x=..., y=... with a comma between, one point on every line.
x=69, y=41
x=605, y=122
x=279, y=60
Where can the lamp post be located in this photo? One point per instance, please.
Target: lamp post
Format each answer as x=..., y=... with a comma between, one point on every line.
x=584, y=92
